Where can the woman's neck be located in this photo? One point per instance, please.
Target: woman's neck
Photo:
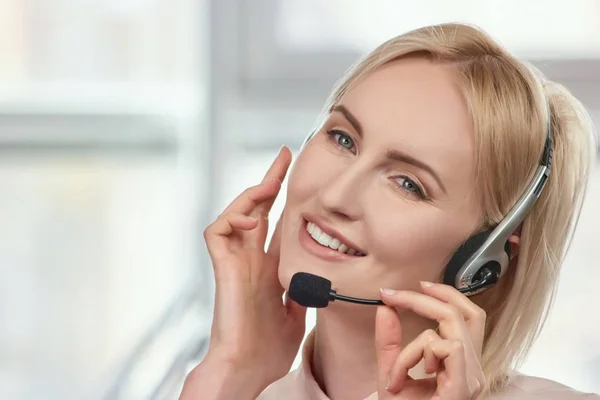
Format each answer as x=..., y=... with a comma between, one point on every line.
x=344, y=361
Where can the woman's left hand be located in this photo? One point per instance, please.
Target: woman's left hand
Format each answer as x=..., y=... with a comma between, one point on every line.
x=453, y=354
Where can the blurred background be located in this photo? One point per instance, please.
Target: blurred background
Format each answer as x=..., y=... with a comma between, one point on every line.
x=127, y=125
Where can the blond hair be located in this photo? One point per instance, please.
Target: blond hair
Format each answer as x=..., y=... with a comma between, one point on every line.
x=509, y=102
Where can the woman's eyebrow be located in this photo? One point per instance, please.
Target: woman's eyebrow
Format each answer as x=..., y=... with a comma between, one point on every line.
x=406, y=158
x=349, y=116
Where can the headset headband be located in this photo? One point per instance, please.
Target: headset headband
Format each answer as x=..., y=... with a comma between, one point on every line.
x=494, y=247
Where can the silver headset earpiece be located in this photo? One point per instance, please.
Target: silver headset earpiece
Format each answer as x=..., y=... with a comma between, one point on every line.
x=484, y=257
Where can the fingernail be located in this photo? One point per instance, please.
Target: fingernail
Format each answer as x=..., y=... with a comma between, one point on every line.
x=426, y=283
x=387, y=385
x=388, y=292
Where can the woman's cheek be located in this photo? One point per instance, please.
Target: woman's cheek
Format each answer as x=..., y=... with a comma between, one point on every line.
x=310, y=173
x=418, y=239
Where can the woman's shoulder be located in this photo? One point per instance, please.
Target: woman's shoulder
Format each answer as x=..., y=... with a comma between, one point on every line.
x=533, y=388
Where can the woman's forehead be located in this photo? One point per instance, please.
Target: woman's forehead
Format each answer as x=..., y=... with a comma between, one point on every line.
x=412, y=93
x=417, y=105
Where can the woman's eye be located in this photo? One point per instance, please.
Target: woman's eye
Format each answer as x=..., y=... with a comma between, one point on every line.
x=342, y=138
x=409, y=185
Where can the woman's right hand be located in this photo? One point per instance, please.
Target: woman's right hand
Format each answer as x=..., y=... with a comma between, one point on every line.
x=255, y=336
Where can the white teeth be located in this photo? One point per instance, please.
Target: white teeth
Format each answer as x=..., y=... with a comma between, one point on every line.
x=328, y=241
x=324, y=239
x=316, y=231
x=334, y=244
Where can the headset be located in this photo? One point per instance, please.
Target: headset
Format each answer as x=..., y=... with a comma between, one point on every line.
x=484, y=257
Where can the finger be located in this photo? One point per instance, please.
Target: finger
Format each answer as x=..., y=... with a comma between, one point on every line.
x=216, y=234
x=452, y=324
x=276, y=172
x=261, y=213
x=228, y=222
x=388, y=336
x=432, y=363
x=279, y=166
x=473, y=315
x=409, y=357
x=275, y=244
x=452, y=352
x=250, y=198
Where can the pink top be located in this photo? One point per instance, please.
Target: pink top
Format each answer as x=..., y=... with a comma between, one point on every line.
x=301, y=385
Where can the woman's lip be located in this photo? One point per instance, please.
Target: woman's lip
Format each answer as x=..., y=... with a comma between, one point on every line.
x=310, y=245
x=326, y=227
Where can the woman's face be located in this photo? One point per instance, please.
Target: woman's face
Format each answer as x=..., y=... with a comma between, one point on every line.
x=389, y=178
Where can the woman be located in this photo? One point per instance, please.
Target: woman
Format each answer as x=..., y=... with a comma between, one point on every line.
x=432, y=138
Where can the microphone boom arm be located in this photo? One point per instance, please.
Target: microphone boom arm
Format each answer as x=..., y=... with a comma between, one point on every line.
x=334, y=296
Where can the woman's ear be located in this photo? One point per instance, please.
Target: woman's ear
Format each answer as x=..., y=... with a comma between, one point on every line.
x=515, y=244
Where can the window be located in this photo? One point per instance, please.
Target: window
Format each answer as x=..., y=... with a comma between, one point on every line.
x=102, y=165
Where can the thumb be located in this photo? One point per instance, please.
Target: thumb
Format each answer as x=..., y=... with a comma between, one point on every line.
x=388, y=336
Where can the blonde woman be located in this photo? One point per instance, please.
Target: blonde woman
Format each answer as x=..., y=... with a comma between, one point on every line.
x=431, y=139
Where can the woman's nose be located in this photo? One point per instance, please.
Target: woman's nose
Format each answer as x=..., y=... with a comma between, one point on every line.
x=340, y=194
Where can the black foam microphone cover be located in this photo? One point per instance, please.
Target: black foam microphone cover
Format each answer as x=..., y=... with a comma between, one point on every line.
x=310, y=290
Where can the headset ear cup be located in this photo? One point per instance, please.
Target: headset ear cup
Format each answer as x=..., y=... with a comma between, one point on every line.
x=464, y=252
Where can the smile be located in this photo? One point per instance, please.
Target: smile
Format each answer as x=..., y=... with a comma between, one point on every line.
x=329, y=241
x=319, y=238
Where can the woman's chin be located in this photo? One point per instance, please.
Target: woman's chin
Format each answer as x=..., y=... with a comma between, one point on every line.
x=286, y=272
x=288, y=269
